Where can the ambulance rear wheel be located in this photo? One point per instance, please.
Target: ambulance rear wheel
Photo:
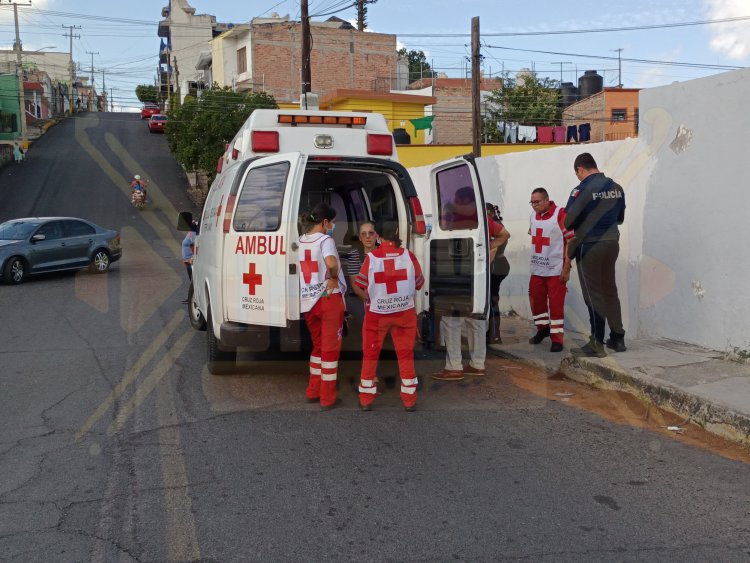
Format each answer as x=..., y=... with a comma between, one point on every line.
x=197, y=321
x=219, y=361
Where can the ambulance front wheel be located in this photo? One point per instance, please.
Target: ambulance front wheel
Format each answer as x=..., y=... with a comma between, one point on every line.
x=219, y=361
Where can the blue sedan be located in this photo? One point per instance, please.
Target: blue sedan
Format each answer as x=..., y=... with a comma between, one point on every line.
x=50, y=244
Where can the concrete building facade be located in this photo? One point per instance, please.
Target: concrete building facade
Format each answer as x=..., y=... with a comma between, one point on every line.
x=265, y=55
x=613, y=114
x=186, y=37
x=452, y=110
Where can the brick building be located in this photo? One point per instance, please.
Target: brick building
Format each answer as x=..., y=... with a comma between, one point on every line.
x=612, y=113
x=265, y=55
x=452, y=123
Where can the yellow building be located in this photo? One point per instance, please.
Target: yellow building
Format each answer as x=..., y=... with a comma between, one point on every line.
x=397, y=109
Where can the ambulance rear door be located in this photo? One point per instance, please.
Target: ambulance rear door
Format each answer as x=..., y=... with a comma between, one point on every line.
x=260, y=225
x=458, y=271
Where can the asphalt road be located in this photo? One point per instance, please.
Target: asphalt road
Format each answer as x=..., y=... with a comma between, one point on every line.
x=117, y=445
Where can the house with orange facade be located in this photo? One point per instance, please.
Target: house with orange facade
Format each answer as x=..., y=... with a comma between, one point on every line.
x=612, y=114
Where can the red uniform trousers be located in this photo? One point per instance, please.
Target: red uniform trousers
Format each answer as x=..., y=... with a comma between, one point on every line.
x=403, y=329
x=324, y=321
x=547, y=298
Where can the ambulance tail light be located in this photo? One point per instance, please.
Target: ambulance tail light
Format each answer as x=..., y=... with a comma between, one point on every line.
x=420, y=227
x=265, y=141
x=228, y=212
x=220, y=164
x=235, y=154
x=380, y=144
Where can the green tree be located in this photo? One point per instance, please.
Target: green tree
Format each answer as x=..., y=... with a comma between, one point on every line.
x=198, y=129
x=525, y=99
x=147, y=93
x=418, y=65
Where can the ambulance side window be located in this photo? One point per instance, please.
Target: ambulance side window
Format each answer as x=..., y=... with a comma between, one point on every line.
x=457, y=205
x=261, y=198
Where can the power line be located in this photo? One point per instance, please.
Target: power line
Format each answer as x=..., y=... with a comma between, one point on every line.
x=605, y=57
x=581, y=31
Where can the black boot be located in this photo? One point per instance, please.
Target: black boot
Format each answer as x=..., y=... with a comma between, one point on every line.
x=540, y=335
x=616, y=343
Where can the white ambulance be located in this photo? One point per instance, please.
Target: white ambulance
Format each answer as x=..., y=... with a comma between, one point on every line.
x=245, y=290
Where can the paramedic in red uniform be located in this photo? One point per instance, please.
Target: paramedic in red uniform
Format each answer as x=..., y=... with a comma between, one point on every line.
x=550, y=268
x=322, y=291
x=391, y=276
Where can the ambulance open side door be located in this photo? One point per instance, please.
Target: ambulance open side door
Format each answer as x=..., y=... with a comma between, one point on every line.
x=260, y=226
x=458, y=245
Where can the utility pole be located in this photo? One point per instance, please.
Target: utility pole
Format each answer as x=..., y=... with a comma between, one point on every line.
x=362, y=13
x=306, y=73
x=71, y=66
x=177, y=80
x=91, y=99
x=619, y=67
x=476, y=121
x=104, y=93
x=561, y=63
x=19, y=71
x=169, y=81
x=111, y=99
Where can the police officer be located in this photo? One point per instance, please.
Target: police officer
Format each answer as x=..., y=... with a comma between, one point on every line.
x=391, y=276
x=322, y=290
x=594, y=210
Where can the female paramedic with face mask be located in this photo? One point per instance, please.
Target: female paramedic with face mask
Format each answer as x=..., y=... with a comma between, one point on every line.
x=322, y=291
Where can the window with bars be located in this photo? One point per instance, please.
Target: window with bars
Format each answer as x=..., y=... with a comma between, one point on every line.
x=619, y=114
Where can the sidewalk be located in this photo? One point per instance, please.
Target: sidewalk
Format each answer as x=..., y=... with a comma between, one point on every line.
x=694, y=382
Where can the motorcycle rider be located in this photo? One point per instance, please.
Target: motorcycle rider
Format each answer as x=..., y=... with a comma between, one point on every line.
x=138, y=185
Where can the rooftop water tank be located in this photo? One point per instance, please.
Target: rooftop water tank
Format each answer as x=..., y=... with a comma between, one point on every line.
x=589, y=84
x=569, y=93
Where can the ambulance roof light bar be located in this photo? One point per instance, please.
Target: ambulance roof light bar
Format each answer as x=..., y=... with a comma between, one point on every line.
x=296, y=119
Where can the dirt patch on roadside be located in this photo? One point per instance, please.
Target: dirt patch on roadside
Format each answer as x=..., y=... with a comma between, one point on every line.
x=622, y=408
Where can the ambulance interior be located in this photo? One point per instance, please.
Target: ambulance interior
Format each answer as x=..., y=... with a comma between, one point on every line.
x=357, y=196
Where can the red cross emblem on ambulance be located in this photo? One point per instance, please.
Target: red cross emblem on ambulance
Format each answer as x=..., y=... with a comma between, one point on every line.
x=252, y=279
x=390, y=276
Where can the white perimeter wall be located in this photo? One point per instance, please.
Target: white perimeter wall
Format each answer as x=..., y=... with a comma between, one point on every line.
x=684, y=265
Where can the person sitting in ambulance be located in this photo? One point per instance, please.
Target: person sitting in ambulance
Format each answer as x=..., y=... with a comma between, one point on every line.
x=461, y=213
x=368, y=241
x=391, y=275
x=322, y=291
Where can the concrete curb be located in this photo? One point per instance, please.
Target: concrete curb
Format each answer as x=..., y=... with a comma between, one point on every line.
x=712, y=416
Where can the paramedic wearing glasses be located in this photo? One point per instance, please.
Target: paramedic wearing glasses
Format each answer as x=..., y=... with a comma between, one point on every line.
x=322, y=290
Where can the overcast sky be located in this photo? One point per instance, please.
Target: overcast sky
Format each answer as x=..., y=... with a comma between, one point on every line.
x=123, y=34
